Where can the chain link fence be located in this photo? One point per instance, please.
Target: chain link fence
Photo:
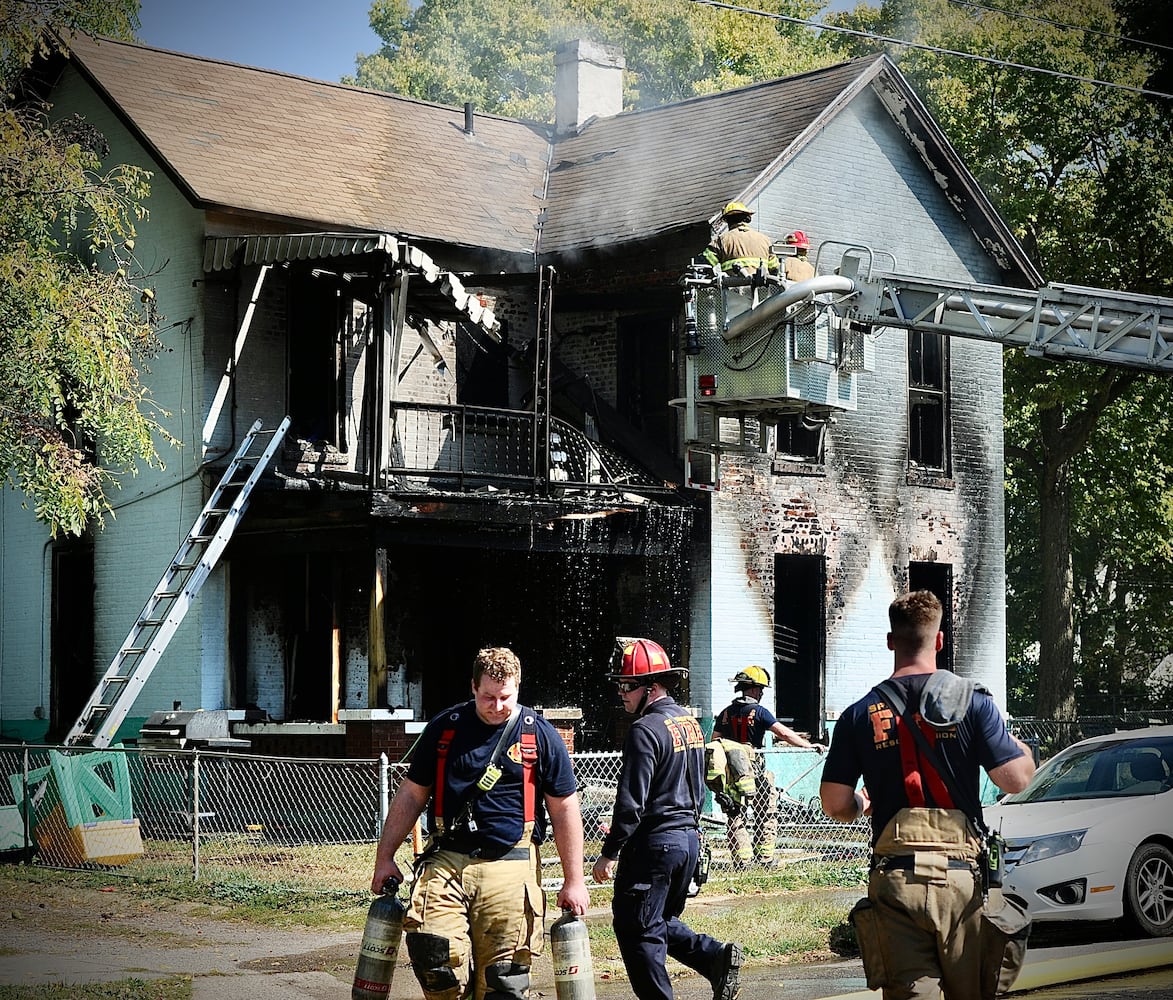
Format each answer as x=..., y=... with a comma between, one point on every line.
x=1052, y=735
x=311, y=825
x=306, y=825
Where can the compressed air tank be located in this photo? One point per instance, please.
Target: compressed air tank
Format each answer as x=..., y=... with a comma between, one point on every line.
x=380, y=945
x=570, y=950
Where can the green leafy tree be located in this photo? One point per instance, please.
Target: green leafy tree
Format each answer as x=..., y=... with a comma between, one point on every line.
x=1082, y=172
x=75, y=318
x=498, y=53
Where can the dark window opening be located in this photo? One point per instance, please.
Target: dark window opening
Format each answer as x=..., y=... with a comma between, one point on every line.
x=644, y=376
x=71, y=635
x=482, y=368
x=800, y=584
x=800, y=438
x=937, y=578
x=315, y=369
x=928, y=401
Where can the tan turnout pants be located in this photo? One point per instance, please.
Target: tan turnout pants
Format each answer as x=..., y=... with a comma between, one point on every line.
x=473, y=925
x=929, y=912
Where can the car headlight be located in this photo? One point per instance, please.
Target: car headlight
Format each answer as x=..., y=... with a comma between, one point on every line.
x=1053, y=846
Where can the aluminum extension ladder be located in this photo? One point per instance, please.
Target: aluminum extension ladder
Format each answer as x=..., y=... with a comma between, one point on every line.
x=165, y=609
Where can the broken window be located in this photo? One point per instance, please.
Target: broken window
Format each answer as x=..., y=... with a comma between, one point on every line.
x=800, y=628
x=482, y=368
x=928, y=401
x=799, y=438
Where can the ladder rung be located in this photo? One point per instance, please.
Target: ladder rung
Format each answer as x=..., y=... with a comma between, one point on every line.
x=217, y=521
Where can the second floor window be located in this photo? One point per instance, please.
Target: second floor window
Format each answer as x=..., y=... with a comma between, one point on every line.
x=928, y=401
x=800, y=438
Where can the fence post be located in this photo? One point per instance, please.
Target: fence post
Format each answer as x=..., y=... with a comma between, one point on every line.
x=195, y=813
x=26, y=811
x=384, y=797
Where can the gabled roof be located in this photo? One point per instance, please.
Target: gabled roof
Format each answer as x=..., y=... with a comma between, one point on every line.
x=292, y=148
x=647, y=172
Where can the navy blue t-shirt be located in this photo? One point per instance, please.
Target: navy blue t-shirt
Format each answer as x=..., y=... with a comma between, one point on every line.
x=870, y=741
x=500, y=812
x=745, y=721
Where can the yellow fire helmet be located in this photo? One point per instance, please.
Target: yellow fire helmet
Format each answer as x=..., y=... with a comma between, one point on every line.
x=752, y=676
x=736, y=208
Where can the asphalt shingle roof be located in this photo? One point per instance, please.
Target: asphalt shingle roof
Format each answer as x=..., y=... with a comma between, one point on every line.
x=323, y=155
x=646, y=172
x=290, y=147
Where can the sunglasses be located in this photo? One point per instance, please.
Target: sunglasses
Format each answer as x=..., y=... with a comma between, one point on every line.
x=626, y=687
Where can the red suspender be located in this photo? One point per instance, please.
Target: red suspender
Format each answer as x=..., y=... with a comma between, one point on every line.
x=529, y=783
x=918, y=773
x=441, y=762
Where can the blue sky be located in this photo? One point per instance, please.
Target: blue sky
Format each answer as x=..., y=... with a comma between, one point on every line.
x=318, y=38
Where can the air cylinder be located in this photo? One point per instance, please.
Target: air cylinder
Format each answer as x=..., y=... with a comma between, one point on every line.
x=380, y=945
x=570, y=949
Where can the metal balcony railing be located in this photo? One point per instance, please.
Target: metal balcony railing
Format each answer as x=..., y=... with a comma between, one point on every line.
x=451, y=446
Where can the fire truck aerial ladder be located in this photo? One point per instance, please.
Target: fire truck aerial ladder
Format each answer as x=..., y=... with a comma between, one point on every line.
x=759, y=346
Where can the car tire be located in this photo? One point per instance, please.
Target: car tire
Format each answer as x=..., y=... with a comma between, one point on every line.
x=1148, y=890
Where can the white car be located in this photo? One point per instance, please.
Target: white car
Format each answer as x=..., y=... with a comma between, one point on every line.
x=1091, y=836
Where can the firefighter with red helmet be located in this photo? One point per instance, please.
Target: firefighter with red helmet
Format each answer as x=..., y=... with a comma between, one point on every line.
x=746, y=721
x=655, y=830
x=798, y=267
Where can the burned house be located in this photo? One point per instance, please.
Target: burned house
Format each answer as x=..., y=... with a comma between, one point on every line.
x=477, y=329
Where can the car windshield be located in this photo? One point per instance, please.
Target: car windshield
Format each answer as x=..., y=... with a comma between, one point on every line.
x=1142, y=766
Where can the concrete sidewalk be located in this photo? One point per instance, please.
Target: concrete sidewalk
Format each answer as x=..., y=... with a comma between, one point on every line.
x=837, y=980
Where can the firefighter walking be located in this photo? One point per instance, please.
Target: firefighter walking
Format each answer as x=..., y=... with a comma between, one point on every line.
x=741, y=727
x=492, y=770
x=655, y=833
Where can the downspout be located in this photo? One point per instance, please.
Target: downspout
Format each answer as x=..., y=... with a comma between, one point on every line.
x=543, y=346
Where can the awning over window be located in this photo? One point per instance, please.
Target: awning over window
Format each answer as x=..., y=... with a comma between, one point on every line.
x=225, y=252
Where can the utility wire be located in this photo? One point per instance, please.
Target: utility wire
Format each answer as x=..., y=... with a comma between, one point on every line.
x=1061, y=24
x=990, y=60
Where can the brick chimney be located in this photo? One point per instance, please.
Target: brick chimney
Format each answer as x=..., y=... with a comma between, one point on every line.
x=588, y=82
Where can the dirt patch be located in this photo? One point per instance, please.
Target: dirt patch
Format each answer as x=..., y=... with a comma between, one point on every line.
x=85, y=932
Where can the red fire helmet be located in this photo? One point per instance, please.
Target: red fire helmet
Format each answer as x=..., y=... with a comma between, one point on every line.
x=645, y=660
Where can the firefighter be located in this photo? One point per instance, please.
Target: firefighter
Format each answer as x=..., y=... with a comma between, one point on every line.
x=798, y=268
x=655, y=830
x=488, y=766
x=746, y=721
x=741, y=250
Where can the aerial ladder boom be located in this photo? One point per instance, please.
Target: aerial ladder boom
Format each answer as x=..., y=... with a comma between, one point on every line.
x=757, y=346
x=1064, y=322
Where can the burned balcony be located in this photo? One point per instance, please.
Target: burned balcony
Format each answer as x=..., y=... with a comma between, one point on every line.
x=465, y=448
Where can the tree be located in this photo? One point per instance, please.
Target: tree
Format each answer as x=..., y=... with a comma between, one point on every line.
x=1081, y=171
x=498, y=53
x=74, y=318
